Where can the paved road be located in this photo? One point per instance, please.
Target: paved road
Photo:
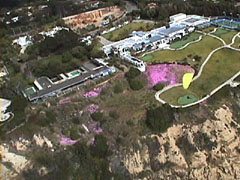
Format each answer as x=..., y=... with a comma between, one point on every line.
x=104, y=41
x=229, y=81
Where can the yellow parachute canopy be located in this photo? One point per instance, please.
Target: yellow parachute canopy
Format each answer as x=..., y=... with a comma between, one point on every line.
x=187, y=79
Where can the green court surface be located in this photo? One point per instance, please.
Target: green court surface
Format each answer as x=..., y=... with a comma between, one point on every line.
x=74, y=73
x=187, y=99
x=29, y=91
x=147, y=57
x=181, y=43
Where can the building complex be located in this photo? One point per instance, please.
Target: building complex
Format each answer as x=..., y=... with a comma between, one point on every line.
x=44, y=87
x=179, y=26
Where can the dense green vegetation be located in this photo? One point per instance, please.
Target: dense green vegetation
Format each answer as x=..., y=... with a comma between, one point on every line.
x=81, y=162
x=160, y=118
x=134, y=83
x=169, y=7
x=126, y=30
x=158, y=86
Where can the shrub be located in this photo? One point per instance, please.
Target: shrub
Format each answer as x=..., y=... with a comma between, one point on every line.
x=118, y=88
x=98, y=116
x=132, y=73
x=74, y=133
x=114, y=114
x=135, y=85
x=160, y=118
x=158, y=86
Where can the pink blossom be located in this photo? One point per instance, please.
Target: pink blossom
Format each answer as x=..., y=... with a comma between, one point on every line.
x=169, y=74
x=93, y=93
x=67, y=141
x=65, y=101
x=92, y=108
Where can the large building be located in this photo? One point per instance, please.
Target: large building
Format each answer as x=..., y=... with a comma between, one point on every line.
x=160, y=38
x=45, y=87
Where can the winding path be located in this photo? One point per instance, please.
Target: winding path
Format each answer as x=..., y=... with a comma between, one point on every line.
x=229, y=81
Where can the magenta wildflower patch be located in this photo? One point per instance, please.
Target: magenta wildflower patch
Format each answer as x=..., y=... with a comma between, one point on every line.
x=169, y=74
x=65, y=101
x=92, y=108
x=65, y=141
x=93, y=93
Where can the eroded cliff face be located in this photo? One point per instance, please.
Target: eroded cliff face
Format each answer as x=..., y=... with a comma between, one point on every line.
x=206, y=151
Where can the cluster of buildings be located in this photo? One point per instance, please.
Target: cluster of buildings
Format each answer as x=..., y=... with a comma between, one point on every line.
x=179, y=26
x=45, y=87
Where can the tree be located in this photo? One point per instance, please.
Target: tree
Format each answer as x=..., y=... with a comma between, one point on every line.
x=66, y=57
x=158, y=86
x=132, y=73
x=118, y=88
x=135, y=85
x=160, y=118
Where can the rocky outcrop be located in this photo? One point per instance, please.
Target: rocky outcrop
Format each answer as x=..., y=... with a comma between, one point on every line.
x=206, y=151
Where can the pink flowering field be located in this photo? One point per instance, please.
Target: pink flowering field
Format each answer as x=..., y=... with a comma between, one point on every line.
x=65, y=141
x=94, y=92
x=169, y=74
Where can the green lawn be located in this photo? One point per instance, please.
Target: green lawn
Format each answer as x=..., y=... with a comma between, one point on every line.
x=187, y=99
x=202, y=48
x=226, y=35
x=221, y=67
x=236, y=43
x=208, y=29
x=185, y=40
x=124, y=31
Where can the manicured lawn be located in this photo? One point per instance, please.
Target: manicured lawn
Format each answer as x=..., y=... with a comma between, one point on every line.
x=202, y=48
x=185, y=40
x=147, y=57
x=124, y=31
x=187, y=99
x=221, y=67
x=209, y=29
x=226, y=35
x=236, y=43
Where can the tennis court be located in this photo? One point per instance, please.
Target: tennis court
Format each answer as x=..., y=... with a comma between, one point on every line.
x=226, y=23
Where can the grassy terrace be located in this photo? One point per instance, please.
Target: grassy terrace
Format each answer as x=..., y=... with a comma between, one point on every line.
x=202, y=48
x=236, y=43
x=185, y=40
x=226, y=35
x=124, y=31
x=219, y=69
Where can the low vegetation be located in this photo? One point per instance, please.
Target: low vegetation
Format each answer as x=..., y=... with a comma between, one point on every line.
x=124, y=32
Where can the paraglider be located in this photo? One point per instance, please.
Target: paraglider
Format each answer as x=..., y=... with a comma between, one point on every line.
x=187, y=79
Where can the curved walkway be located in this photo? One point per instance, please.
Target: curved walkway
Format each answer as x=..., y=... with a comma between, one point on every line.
x=186, y=45
x=229, y=81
